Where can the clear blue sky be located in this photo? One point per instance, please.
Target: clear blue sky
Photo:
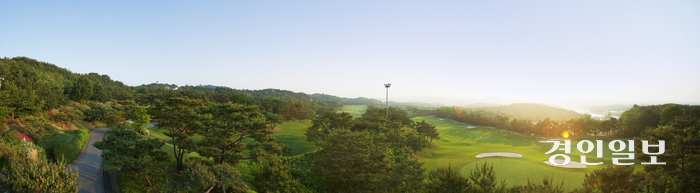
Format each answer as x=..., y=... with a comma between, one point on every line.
x=632, y=51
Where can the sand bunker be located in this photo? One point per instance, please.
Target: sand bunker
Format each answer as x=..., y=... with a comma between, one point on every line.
x=543, y=141
x=572, y=164
x=501, y=154
x=469, y=127
x=441, y=119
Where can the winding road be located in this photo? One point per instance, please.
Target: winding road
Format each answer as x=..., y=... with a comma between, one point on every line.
x=90, y=164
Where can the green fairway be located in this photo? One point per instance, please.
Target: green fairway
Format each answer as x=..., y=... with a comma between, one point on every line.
x=516, y=171
x=354, y=110
x=459, y=144
x=293, y=135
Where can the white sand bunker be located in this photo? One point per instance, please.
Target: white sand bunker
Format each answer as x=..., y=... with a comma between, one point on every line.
x=572, y=164
x=441, y=119
x=501, y=154
x=544, y=141
x=469, y=127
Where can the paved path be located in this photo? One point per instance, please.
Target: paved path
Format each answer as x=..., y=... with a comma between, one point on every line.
x=90, y=165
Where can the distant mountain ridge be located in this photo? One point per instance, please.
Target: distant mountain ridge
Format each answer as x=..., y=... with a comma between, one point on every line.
x=532, y=111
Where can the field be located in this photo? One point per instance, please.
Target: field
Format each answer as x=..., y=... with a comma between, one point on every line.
x=354, y=110
x=459, y=144
x=292, y=134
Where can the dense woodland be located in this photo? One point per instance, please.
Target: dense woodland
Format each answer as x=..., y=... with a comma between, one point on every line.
x=238, y=153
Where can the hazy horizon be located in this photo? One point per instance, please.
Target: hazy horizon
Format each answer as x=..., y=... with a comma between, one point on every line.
x=622, y=52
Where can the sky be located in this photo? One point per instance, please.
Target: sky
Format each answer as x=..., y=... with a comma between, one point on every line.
x=524, y=51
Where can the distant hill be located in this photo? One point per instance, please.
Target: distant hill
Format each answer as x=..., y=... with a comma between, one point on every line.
x=534, y=112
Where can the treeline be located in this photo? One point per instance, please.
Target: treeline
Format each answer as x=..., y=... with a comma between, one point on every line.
x=631, y=123
x=30, y=87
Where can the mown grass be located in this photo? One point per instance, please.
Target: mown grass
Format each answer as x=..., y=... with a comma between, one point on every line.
x=355, y=110
x=459, y=145
x=293, y=135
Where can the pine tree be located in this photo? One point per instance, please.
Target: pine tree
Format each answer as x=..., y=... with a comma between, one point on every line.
x=82, y=89
x=99, y=93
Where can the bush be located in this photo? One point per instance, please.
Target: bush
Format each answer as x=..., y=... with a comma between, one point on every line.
x=136, y=181
x=71, y=151
x=38, y=176
x=39, y=129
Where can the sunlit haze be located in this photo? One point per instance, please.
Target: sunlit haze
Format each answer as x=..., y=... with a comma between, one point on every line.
x=449, y=51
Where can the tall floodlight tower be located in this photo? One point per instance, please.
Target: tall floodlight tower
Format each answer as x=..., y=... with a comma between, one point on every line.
x=387, y=85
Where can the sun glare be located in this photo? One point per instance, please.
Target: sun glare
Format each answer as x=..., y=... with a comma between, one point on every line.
x=565, y=134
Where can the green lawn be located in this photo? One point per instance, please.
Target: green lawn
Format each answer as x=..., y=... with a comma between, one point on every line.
x=293, y=135
x=458, y=145
x=354, y=110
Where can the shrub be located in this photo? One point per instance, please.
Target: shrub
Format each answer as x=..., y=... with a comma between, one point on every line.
x=69, y=152
x=38, y=176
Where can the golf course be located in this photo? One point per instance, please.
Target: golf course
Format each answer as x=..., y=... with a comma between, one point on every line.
x=460, y=143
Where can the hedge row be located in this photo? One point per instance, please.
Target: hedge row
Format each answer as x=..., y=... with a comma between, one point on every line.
x=72, y=150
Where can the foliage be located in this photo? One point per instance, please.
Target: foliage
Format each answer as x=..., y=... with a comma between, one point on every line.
x=67, y=152
x=179, y=115
x=135, y=181
x=31, y=176
x=96, y=112
x=39, y=130
x=682, y=152
x=273, y=177
x=484, y=180
x=82, y=89
x=99, y=93
x=610, y=179
x=446, y=180
x=131, y=152
x=233, y=129
x=200, y=178
x=141, y=119
x=68, y=115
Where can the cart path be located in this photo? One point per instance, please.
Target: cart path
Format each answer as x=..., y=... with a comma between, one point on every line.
x=90, y=164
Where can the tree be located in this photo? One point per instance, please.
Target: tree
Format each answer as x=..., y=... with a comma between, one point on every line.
x=273, y=177
x=356, y=159
x=180, y=117
x=68, y=115
x=426, y=130
x=484, y=179
x=131, y=152
x=233, y=129
x=670, y=113
x=198, y=177
x=38, y=176
x=99, y=93
x=327, y=124
x=21, y=84
x=82, y=90
x=446, y=180
x=682, y=152
x=141, y=119
x=115, y=119
x=610, y=179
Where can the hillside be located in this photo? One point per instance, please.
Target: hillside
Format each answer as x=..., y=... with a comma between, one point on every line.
x=534, y=112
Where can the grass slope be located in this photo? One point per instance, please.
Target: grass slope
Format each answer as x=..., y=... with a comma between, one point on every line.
x=355, y=110
x=458, y=146
x=292, y=134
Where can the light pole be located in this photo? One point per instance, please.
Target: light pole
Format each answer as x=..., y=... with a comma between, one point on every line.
x=387, y=85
